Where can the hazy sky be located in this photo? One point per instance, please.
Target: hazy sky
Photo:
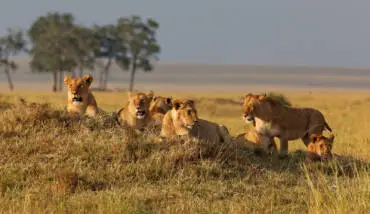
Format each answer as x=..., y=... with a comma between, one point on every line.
x=314, y=32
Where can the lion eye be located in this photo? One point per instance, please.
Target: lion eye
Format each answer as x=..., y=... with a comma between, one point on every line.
x=189, y=112
x=81, y=86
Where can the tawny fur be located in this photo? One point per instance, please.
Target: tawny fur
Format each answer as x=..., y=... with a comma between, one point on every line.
x=80, y=98
x=182, y=120
x=130, y=114
x=159, y=107
x=319, y=148
x=272, y=118
x=253, y=140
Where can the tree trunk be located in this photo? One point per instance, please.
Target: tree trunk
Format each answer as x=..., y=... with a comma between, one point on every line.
x=133, y=70
x=60, y=80
x=7, y=72
x=104, y=75
x=55, y=79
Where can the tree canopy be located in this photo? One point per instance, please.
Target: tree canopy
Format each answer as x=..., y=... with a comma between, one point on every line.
x=60, y=45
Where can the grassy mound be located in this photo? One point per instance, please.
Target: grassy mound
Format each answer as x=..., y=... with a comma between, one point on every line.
x=52, y=162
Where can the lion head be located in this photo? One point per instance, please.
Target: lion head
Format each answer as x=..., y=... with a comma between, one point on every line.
x=321, y=145
x=138, y=104
x=251, y=106
x=161, y=104
x=262, y=106
x=184, y=113
x=78, y=88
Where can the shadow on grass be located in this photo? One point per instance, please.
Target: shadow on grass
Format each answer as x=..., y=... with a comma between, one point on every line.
x=39, y=143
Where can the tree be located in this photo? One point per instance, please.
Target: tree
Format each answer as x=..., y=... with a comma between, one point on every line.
x=141, y=44
x=10, y=45
x=111, y=48
x=52, y=50
x=84, y=46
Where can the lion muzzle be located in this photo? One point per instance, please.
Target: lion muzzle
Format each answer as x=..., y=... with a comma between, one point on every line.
x=140, y=114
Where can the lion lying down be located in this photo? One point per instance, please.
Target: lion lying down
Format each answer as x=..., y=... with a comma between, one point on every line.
x=182, y=120
x=320, y=148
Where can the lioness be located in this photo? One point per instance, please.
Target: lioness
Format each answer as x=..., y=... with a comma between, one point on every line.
x=159, y=107
x=253, y=140
x=273, y=118
x=319, y=147
x=182, y=120
x=135, y=113
x=80, y=98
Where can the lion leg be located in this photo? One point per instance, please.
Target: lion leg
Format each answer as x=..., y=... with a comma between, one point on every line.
x=272, y=146
x=283, y=146
x=266, y=141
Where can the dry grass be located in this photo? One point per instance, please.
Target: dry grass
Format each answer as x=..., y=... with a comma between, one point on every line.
x=51, y=162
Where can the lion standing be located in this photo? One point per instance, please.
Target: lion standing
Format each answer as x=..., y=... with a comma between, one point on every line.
x=273, y=118
x=80, y=98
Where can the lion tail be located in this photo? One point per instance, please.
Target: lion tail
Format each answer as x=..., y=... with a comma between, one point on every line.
x=327, y=127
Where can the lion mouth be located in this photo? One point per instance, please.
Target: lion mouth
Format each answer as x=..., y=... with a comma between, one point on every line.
x=248, y=119
x=77, y=99
x=140, y=114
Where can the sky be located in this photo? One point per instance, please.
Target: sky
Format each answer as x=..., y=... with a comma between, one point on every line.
x=281, y=32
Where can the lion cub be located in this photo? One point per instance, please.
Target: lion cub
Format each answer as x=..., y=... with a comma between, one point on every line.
x=80, y=98
x=319, y=148
x=182, y=120
x=135, y=113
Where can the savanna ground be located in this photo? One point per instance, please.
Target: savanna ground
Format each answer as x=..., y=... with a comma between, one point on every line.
x=51, y=162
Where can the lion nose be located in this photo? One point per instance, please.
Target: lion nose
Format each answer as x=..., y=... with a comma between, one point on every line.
x=74, y=92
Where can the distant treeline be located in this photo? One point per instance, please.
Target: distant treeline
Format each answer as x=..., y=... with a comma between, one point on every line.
x=56, y=44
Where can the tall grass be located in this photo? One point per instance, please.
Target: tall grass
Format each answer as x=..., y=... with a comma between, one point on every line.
x=52, y=162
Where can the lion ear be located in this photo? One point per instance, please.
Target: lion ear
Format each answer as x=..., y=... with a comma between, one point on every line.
x=191, y=102
x=169, y=100
x=150, y=95
x=248, y=95
x=314, y=138
x=154, y=99
x=67, y=79
x=261, y=97
x=88, y=79
x=177, y=104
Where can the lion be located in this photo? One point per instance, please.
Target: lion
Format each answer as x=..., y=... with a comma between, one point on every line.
x=319, y=148
x=80, y=98
x=182, y=120
x=253, y=140
x=135, y=113
x=159, y=107
x=273, y=118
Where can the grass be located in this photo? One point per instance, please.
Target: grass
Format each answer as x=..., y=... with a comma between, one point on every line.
x=51, y=162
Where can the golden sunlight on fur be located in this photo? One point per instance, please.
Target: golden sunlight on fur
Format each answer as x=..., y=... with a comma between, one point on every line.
x=274, y=118
x=319, y=148
x=80, y=98
x=182, y=120
x=135, y=113
x=159, y=107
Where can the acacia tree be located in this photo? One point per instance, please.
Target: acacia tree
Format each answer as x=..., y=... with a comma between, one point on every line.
x=52, y=50
x=111, y=48
x=10, y=45
x=83, y=45
x=141, y=44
